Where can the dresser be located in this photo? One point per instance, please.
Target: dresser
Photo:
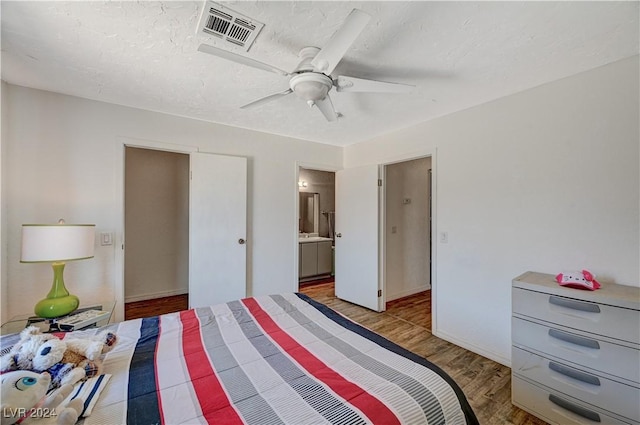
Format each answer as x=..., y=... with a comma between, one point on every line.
x=575, y=355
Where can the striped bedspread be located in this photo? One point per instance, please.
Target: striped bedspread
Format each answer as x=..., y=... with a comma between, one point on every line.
x=280, y=359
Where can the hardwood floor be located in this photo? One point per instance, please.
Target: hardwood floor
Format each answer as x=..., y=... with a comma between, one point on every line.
x=486, y=384
x=155, y=307
x=415, y=309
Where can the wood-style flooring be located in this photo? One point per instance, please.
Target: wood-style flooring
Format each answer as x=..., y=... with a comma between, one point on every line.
x=155, y=307
x=407, y=322
x=486, y=384
x=415, y=309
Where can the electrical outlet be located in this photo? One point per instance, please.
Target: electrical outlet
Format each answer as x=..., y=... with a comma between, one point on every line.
x=394, y=229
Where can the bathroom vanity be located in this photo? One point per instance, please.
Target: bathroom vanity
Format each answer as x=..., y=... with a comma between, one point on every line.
x=315, y=253
x=314, y=257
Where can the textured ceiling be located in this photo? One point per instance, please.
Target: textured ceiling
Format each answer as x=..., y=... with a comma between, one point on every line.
x=458, y=54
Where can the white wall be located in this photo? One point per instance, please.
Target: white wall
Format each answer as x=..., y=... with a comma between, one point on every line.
x=61, y=155
x=544, y=180
x=407, y=248
x=4, y=116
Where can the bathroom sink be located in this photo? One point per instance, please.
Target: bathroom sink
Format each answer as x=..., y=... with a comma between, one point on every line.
x=307, y=239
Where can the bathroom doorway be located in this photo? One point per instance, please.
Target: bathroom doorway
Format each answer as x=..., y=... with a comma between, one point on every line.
x=316, y=226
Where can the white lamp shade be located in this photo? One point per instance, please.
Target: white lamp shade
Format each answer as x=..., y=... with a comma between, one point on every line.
x=47, y=243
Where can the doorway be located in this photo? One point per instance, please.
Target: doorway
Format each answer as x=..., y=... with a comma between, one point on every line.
x=407, y=233
x=217, y=267
x=316, y=226
x=156, y=221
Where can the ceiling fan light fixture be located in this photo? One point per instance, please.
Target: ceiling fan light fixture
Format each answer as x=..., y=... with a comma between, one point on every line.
x=311, y=86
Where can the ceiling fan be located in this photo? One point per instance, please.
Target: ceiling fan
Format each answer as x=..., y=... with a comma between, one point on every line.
x=312, y=80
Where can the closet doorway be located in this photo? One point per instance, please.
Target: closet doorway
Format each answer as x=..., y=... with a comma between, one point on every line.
x=156, y=206
x=407, y=236
x=217, y=255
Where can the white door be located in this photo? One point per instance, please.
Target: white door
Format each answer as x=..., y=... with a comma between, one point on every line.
x=217, y=229
x=357, y=275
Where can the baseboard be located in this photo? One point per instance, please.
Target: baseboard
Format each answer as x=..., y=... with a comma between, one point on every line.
x=312, y=278
x=473, y=348
x=407, y=292
x=143, y=297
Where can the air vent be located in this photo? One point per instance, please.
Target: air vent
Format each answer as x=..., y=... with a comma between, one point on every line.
x=220, y=22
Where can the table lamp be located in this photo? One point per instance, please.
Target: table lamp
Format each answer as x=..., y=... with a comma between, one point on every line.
x=57, y=244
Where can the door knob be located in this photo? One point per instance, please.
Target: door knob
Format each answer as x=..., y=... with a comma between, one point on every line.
x=338, y=235
x=241, y=241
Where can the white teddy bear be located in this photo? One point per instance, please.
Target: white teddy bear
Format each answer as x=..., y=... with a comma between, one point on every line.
x=67, y=361
x=25, y=400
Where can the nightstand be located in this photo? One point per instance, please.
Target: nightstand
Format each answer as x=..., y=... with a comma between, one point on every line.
x=18, y=323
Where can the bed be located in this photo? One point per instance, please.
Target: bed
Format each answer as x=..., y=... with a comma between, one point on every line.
x=279, y=359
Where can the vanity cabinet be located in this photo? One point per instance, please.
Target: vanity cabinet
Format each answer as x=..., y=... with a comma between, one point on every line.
x=314, y=258
x=575, y=353
x=308, y=259
x=324, y=257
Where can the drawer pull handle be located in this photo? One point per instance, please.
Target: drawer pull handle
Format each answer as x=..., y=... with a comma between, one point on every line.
x=578, y=410
x=574, y=305
x=575, y=374
x=574, y=339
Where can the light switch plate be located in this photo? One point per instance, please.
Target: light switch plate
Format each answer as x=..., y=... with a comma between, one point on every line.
x=106, y=238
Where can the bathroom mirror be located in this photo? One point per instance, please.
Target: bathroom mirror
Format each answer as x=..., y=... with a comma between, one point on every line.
x=309, y=212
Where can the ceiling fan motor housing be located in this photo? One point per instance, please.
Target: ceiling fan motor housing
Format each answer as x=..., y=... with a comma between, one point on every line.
x=311, y=86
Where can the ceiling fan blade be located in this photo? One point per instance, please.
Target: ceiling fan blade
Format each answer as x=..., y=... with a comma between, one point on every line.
x=326, y=107
x=266, y=99
x=353, y=84
x=329, y=56
x=205, y=48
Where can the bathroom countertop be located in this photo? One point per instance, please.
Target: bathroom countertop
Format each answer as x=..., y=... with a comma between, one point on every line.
x=313, y=239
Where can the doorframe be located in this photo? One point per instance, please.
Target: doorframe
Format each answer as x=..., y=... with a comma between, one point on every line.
x=123, y=143
x=309, y=166
x=432, y=153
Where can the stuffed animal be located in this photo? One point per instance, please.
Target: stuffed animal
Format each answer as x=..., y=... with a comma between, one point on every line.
x=67, y=361
x=25, y=400
x=579, y=280
x=22, y=353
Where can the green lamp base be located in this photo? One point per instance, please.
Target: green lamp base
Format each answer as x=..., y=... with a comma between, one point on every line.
x=58, y=302
x=50, y=308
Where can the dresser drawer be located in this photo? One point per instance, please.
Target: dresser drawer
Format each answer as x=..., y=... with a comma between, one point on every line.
x=591, y=353
x=557, y=408
x=596, y=390
x=614, y=322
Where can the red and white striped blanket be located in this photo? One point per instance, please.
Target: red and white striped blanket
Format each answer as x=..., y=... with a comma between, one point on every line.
x=280, y=359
